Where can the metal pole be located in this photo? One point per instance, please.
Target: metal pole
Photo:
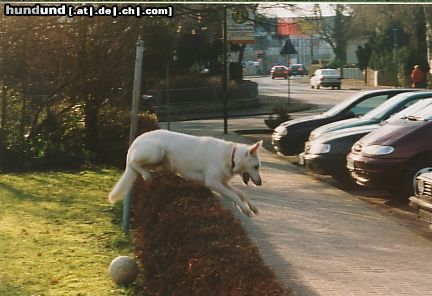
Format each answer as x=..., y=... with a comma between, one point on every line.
x=394, y=44
x=225, y=70
x=311, y=49
x=289, y=89
x=289, y=80
x=134, y=123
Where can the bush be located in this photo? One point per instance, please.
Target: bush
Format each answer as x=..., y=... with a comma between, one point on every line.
x=114, y=134
x=335, y=64
x=59, y=142
x=189, y=245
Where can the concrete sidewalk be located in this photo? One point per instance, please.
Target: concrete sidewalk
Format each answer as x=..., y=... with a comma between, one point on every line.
x=320, y=240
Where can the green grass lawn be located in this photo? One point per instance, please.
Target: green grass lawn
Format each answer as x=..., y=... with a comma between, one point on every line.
x=58, y=233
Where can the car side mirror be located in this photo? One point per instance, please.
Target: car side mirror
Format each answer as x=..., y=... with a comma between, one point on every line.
x=349, y=114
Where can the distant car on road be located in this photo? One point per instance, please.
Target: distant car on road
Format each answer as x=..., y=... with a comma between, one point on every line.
x=326, y=78
x=279, y=71
x=326, y=155
x=392, y=156
x=297, y=69
x=289, y=137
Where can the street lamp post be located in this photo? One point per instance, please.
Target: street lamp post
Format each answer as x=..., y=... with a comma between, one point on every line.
x=225, y=70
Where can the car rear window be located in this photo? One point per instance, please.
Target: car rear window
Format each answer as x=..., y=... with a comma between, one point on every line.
x=329, y=72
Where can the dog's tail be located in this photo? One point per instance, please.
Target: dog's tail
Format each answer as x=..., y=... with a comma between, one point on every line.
x=123, y=185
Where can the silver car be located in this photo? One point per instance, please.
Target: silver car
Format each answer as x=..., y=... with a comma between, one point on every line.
x=326, y=78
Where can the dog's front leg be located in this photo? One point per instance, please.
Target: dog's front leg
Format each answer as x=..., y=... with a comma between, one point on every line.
x=227, y=192
x=244, y=198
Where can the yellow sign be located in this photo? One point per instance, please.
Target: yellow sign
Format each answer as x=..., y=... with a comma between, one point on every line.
x=240, y=25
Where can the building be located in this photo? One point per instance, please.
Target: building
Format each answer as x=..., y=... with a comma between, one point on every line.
x=270, y=38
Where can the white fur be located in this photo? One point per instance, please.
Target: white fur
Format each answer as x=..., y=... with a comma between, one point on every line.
x=204, y=159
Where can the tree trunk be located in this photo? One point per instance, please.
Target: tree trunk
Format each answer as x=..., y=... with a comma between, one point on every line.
x=92, y=125
x=3, y=119
x=428, y=21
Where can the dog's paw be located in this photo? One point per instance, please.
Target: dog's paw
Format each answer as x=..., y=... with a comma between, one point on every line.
x=244, y=209
x=253, y=208
x=248, y=212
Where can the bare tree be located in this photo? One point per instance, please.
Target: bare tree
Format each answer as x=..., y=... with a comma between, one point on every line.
x=335, y=30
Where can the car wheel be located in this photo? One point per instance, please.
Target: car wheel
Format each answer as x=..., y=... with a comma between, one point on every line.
x=409, y=179
x=318, y=86
x=312, y=86
x=344, y=177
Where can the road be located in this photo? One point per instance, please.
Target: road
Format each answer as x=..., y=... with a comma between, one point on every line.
x=301, y=91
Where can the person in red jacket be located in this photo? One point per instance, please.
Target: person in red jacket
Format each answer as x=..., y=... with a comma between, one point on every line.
x=417, y=77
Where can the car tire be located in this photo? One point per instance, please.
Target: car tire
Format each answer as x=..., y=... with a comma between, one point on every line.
x=318, y=86
x=312, y=86
x=406, y=189
x=344, y=177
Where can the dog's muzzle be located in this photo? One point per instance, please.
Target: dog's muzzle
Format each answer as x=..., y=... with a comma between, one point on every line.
x=246, y=178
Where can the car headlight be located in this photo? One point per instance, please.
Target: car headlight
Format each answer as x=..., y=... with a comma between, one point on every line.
x=312, y=136
x=319, y=148
x=281, y=130
x=378, y=150
x=420, y=187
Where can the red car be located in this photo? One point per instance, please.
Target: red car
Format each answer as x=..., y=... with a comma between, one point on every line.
x=392, y=156
x=297, y=69
x=279, y=71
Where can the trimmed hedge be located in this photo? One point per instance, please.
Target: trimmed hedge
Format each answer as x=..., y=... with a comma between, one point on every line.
x=188, y=244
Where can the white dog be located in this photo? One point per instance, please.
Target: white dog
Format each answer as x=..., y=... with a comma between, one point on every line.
x=207, y=160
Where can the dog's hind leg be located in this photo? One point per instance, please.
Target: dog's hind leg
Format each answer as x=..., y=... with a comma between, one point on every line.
x=141, y=159
x=141, y=170
x=229, y=193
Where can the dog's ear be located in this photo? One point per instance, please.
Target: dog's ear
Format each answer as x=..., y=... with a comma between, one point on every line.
x=254, y=148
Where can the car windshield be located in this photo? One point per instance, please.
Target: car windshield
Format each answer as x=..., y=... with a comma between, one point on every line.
x=344, y=104
x=413, y=110
x=388, y=105
x=422, y=115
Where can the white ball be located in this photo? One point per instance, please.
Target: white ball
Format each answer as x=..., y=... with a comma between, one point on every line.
x=123, y=270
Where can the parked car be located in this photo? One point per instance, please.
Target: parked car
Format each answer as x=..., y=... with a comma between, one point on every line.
x=423, y=196
x=279, y=71
x=326, y=155
x=289, y=137
x=326, y=78
x=377, y=115
x=297, y=69
x=392, y=156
